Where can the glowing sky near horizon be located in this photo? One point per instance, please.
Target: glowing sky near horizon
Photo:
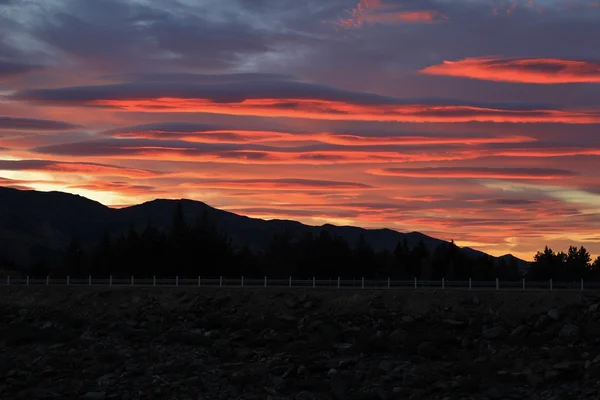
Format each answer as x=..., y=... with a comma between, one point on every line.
x=477, y=121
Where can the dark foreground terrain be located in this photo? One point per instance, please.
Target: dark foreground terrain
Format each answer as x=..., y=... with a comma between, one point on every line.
x=190, y=343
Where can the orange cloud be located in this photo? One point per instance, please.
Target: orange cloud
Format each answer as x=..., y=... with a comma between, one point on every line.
x=525, y=70
x=545, y=152
x=476, y=173
x=426, y=199
x=374, y=11
x=246, y=136
x=69, y=167
x=124, y=188
x=278, y=185
x=339, y=110
x=261, y=156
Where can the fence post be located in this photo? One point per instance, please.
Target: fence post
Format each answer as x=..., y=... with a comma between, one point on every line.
x=27, y=280
x=177, y=280
x=220, y=281
x=89, y=280
x=242, y=281
x=415, y=282
x=363, y=282
x=388, y=282
x=581, y=283
x=338, y=282
x=443, y=283
x=470, y=284
x=68, y=280
x=314, y=282
x=523, y=283
x=110, y=280
x=265, y=281
x=497, y=284
x=199, y=282
x=131, y=280
x=550, y=283
x=154, y=280
x=47, y=280
x=290, y=281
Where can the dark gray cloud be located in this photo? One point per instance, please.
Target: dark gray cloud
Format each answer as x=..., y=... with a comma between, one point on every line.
x=9, y=69
x=188, y=78
x=110, y=147
x=118, y=34
x=253, y=89
x=34, y=124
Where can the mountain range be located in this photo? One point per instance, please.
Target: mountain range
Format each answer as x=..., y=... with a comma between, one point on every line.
x=35, y=225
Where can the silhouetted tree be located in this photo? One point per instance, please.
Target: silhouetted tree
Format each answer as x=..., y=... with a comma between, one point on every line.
x=575, y=264
x=103, y=259
x=74, y=259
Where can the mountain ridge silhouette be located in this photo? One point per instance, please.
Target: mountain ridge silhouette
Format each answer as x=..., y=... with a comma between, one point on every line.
x=36, y=224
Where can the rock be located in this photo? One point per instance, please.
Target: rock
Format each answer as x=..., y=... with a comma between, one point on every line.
x=385, y=365
x=569, y=331
x=93, y=396
x=534, y=379
x=554, y=314
x=497, y=332
x=426, y=349
x=551, y=375
x=594, y=307
x=563, y=366
x=256, y=346
x=519, y=330
x=453, y=322
x=560, y=353
x=278, y=383
x=494, y=393
x=301, y=370
x=466, y=342
x=398, y=336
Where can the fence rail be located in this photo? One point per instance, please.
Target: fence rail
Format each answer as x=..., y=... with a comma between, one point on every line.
x=316, y=283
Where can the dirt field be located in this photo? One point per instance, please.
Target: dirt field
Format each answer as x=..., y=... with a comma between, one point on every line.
x=210, y=343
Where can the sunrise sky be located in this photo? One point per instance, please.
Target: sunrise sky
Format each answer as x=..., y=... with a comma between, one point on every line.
x=472, y=120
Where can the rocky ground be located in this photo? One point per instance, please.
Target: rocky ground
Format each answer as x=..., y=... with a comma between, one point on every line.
x=190, y=343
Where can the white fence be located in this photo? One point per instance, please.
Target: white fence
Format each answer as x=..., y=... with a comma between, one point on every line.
x=290, y=282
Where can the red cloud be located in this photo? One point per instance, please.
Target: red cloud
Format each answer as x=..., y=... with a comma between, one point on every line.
x=426, y=199
x=246, y=136
x=119, y=187
x=340, y=110
x=277, y=184
x=525, y=70
x=476, y=173
x=373, y=11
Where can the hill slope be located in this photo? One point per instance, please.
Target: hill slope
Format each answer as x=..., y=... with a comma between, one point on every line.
x=40, y=224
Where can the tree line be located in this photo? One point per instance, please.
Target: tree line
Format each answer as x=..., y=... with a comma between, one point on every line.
x=202, y=249
x=576, y=263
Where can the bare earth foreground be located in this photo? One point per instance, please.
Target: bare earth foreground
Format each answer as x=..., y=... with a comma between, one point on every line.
x=191, y=343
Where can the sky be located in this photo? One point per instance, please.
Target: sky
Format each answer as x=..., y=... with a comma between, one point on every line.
x=476, y=121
